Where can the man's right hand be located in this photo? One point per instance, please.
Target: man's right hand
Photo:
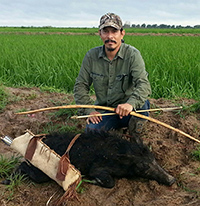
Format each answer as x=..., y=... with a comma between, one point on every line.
x=94, y=119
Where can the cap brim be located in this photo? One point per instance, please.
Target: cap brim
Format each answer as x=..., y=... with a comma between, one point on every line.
x=109, y=24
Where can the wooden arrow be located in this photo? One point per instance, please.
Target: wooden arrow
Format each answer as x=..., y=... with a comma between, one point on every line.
x=107, y=114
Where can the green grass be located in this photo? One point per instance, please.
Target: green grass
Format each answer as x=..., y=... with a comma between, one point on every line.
x=192, y=108
x=49, y=61
x=3, y=98
x=80, y=188
x=15, y=182
x=8, y=165
x=173, y=64
x=196, y=154
x=53, y=61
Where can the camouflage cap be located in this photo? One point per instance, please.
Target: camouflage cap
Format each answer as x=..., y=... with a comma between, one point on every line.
x=110, y=19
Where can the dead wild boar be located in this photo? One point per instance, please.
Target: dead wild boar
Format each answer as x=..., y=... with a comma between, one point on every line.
x=102, y=157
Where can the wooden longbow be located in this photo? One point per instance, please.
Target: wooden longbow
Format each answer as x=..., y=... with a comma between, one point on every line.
x=109, y=109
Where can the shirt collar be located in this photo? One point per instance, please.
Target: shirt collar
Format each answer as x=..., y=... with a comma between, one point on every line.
x=102, y=52
x=120, y=53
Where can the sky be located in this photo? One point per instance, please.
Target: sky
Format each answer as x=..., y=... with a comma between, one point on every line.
x=86, y=13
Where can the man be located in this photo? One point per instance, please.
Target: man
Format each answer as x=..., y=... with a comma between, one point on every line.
x=117, y=72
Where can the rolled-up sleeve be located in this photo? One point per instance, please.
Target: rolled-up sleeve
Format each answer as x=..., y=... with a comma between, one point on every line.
x=82, y=86
x=140, y=89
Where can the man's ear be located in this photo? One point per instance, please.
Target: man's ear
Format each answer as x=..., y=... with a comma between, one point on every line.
x=99, y=32
x=123, y=33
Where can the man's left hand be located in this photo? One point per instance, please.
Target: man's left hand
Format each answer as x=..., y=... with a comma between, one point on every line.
x=124, y=109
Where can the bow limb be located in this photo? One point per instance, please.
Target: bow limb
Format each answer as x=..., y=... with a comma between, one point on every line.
x=109, y=109
x=67, y=107
x=165, y=125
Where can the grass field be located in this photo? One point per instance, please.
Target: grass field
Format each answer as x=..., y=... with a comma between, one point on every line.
x=53, y=61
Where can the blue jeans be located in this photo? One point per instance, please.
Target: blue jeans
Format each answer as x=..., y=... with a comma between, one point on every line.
x=114, y=122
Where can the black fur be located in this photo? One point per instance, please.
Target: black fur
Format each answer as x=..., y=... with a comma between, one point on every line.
x=103, y=156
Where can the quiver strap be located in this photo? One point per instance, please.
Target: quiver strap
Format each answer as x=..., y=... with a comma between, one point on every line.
x=32, y=145
x=31, y=148
x=63, y=167
x=64, y=161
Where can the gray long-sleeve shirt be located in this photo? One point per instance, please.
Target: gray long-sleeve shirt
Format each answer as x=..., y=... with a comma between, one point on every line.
x=122, y=80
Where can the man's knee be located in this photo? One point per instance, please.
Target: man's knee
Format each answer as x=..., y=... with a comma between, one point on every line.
x=136, y=124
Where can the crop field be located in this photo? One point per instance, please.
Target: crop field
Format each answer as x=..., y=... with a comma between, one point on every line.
x=53, y=61
x=95, y=30
x=50, y=59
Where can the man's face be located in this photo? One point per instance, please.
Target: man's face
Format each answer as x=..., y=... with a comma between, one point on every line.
x=111, y=38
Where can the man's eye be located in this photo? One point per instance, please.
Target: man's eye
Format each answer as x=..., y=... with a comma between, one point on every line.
x=114, y=30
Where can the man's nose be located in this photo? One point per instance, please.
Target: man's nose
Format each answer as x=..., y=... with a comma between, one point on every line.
x=110, y=35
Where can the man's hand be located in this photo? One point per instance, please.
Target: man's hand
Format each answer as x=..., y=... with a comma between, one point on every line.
x=94, y=120
x=124, y=109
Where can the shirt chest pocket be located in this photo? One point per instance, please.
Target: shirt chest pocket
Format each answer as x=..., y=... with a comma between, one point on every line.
x=98, y=80
x=122, y=83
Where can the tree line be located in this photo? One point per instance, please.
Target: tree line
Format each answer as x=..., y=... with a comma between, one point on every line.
x=161, y=26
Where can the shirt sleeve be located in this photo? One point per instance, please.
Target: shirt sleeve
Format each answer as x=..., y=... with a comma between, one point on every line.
x=82, y=86
x=140, y=89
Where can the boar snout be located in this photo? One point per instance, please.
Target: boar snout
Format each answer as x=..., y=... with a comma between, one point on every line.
x=155, y=172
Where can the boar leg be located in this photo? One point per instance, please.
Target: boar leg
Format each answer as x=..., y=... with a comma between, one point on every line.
x=27, y=170
x=102, y=177
x=32, y=172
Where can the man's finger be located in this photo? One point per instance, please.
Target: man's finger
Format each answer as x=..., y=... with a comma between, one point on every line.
x=87, y=121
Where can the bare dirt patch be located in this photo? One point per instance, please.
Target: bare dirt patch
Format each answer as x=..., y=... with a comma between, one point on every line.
x=84, y=33
x=171, y=149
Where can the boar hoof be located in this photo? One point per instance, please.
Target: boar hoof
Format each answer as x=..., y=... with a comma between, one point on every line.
x=6, y=182
x=171, y=180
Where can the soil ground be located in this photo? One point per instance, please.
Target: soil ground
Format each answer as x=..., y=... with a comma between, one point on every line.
x=171, y=149
x=127, y=34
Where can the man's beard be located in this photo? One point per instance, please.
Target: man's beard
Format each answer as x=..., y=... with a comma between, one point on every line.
x=110, y=49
